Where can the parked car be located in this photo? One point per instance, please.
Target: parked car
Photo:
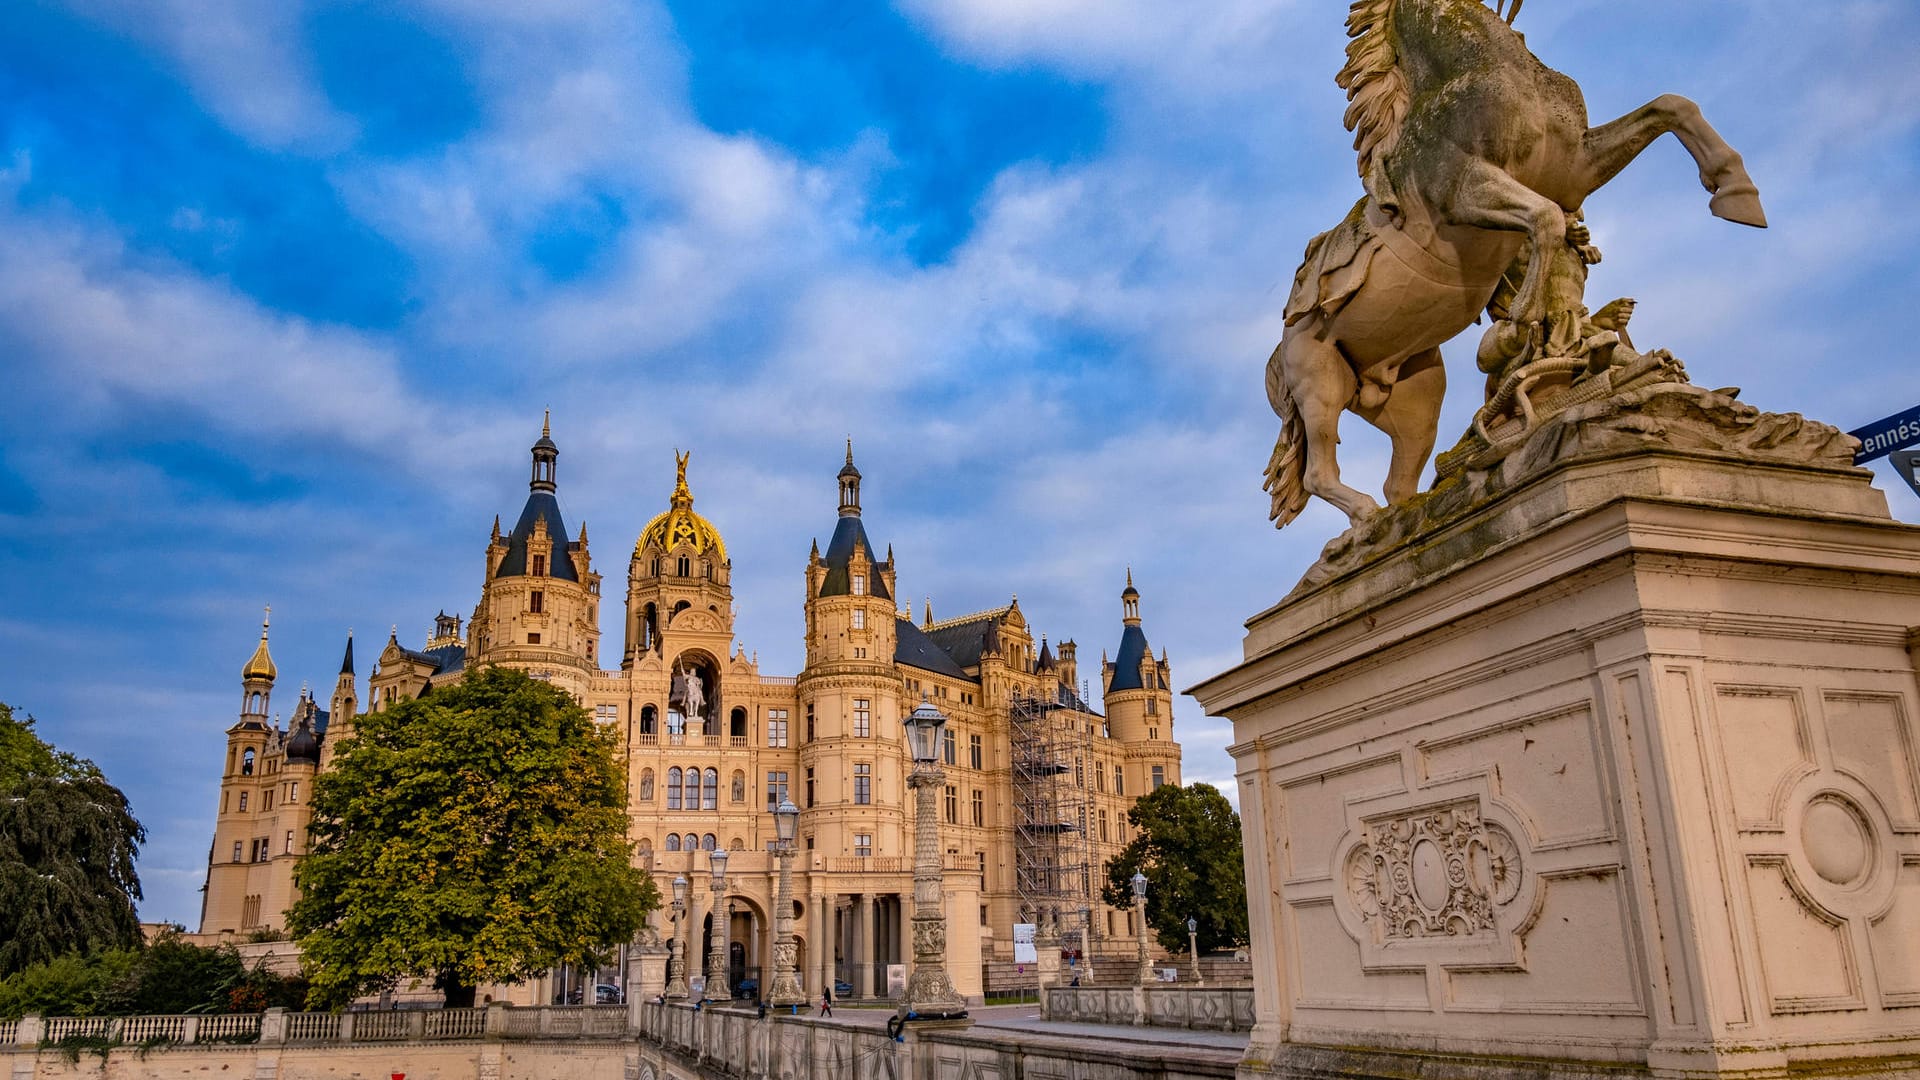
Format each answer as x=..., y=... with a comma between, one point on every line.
x=746, y=990
x=608, y=995
x=842, y=990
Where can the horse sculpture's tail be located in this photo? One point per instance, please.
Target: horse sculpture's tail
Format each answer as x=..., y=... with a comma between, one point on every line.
x=1287, y=469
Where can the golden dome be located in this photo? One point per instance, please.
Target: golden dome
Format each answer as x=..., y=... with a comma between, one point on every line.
x=261, y=665
x=679, y=524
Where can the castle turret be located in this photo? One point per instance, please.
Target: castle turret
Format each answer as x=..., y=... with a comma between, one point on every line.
x=1138, y=697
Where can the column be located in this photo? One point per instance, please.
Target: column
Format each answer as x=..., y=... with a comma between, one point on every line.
x=864, y=927
x=819, y=945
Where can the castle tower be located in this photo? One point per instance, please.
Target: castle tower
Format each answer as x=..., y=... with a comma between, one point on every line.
x=236, y=838
x=540, y=607
x=850, y=692
x=342, y=709
x=679, y=629
x=1138, y=696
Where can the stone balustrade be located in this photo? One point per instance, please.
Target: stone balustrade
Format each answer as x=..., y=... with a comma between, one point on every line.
x=1209, y=1008
x=277, y=1026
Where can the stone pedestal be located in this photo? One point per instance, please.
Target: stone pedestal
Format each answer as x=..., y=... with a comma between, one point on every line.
x=1612, y=768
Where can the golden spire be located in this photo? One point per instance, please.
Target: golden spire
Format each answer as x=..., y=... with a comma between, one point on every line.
x=261, y=665
x=546, y=424
x=849, y=449
x=679, y=524
x=682, y=494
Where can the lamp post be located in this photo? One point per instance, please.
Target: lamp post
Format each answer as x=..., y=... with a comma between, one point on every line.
x=930, y=994
x=677, y=948
x=1145, y=971
x=1193, y=948
x=786, y=989
x=717, y=949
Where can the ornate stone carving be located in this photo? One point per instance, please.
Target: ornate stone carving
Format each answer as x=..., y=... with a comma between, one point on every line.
x=1460, y=218
x=929, y=937
x=1436, y=872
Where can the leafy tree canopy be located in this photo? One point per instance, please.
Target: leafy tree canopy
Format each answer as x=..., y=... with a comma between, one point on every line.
x=67, y=846
x=1187, y=843
x=474, y=834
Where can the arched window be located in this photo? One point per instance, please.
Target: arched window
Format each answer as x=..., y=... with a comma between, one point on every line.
x=673, y=788
x=246, y=763
x=708, y=843
x=736, y=844
x=691, y=789
x=737, y=724
x=673, y=841
x=683, y=567
x=649, y=627
x=649, y=720
x=711, y=799
x=692, y=842
x=646, y=785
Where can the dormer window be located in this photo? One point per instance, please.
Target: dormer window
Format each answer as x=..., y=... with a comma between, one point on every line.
x=859, y=585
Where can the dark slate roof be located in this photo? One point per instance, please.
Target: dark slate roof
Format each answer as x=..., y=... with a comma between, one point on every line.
x=964, y=639
x=915, y=649
x=346, y=665
x=320, y=717
x=446, y=659
x=1126, y=665
x=540, y=504
x=840, y=553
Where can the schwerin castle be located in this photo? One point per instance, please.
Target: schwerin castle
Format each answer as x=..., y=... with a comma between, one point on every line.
x=1038, y=782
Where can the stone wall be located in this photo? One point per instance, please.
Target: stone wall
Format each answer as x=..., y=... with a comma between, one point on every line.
x=1212, y=1008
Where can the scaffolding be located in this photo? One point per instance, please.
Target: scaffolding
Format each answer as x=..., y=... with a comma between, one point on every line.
x=1053, y=853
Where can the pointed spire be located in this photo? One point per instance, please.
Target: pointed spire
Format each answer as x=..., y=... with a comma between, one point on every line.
x=346, y=663
x=496, y=528
x=583, y=534
x=849, y=485
x=928, y=620
x=545, y=454
x=1130, y=602
x=546, y=424
x=260, y=665
x=849, y=449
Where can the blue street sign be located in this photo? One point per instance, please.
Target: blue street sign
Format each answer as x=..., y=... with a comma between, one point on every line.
x=1907, y=464
x=1882, y=437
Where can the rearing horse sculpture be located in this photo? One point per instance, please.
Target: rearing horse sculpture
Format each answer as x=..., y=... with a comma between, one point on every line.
x=1475, y=156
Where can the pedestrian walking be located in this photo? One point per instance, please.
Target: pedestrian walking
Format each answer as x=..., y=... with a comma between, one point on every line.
x=826, y=1001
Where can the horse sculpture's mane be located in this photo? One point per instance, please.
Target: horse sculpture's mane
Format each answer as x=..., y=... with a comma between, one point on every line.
x=1376, y=91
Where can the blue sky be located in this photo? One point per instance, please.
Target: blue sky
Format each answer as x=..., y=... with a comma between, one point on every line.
x=284, y=288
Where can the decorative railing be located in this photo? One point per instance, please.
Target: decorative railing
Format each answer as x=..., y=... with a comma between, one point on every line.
x=648, y=738
x=737, y=741
x=779, y=680
x=870, y=864
x=1218, y=1008
x=374, y=1026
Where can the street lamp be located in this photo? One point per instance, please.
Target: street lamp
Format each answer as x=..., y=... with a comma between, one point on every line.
x=717, y=938
x=1193, y=948
x=677, y=948
x=930, y=994
x=1145, y=971
x=786, y=989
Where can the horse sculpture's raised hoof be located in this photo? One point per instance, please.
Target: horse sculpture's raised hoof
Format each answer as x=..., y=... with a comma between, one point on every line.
x=1739, y=203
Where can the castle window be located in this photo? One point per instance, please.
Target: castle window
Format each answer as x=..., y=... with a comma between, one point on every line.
x=1119, y=780
x=710, y=800
x=979, y=808
x=537, y=601
x=243, y=802
x=293, y=791
x=862, y=718
x=776, y=789
x=809, y=788
x=953, y=805
x=1103, y=826
x=266, y=800
x=862, y=845
x=1159, y=777
x=649, y=720
x=236, y=851
x=246, y=765
x=859, y=587
x=1153, y=733
x=862, y=784
x=1100, y=776
x=777, y=728
x=1153, y=707
x=973, y=751
x=673, y=841
x=539, y=570
x=533, y=638
x=708, y=842
x=859, y=619
x=809, y=723
x=289, y=842
x=737, y=723
x=949, y=746
x=683, y=567
x=690, y=789
x=673, y=788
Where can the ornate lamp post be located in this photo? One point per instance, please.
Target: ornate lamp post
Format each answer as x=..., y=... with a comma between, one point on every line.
x=677, y=947
x=1145, y=972
x=930, y=994
x=717, y=950
x=786, y=989
x=1193, y=948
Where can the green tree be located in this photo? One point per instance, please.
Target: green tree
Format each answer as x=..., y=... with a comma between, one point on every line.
x=67, y=846
x=474, y=834
x=1187, y=843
